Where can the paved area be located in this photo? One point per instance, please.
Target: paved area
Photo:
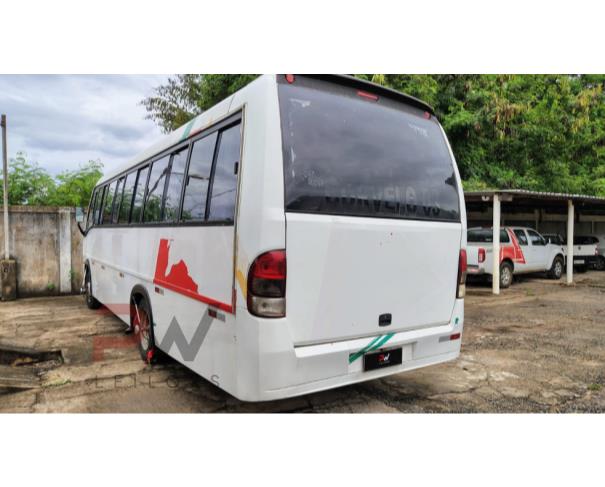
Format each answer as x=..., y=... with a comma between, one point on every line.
x=539, y=347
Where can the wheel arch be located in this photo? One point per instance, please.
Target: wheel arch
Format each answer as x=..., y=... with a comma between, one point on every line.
x=508, y=261
x=141, y=291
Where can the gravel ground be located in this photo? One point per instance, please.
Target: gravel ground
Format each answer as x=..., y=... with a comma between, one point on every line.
x=538, y=347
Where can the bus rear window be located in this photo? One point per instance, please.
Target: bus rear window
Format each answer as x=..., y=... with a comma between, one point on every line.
x=348, y=155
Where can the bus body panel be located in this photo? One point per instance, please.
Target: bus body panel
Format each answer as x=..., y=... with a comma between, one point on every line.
x=278, y=370
x=261, y=223
x=346, y=272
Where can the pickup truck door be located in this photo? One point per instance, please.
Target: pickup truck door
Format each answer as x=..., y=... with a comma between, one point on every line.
x=523, y=264
x=538, y=251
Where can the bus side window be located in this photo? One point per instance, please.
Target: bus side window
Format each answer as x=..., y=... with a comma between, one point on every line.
x=108, y=203
x=175, y=184
x=198, y=177
x=152, y=211
x=124, y=213
x=91, y=209
x=224, y=179
x=99, y=205
x=117, y=200
x=139, y=194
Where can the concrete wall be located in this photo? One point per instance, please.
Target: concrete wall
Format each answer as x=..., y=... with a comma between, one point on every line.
x=47, y=246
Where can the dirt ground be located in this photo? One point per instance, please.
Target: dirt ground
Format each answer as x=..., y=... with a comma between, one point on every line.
x=539, y=347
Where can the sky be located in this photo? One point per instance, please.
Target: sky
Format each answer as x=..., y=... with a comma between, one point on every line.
x=63, y=121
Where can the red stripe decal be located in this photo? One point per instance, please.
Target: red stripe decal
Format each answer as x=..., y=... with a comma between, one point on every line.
x=519, y=257
x=179, y=280
x=199, y=297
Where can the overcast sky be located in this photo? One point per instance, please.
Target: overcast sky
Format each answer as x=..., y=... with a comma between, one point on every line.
x=62, y=121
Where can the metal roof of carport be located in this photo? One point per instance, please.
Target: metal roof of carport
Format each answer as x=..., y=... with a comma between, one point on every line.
x=536, y=198
x=542, y=195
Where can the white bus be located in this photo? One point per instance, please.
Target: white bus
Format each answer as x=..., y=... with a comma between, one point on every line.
x=306, y=233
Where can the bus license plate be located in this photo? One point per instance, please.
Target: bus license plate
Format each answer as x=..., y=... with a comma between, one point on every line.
x=379, y=360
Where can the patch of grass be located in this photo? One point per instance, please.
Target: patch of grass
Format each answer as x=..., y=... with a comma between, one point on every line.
x=57, y=383
x=595, y=387
x=50, y=287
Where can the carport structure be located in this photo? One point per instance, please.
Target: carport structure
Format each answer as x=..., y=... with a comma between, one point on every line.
x=546, y=212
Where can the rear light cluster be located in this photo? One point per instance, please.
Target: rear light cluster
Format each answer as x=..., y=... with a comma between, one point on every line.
x=267, y=285
x=462, y=266
x=481, y=256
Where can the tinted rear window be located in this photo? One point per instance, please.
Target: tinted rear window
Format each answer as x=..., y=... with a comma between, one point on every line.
x=583, y=240
x=348, y=155
x=485, y=235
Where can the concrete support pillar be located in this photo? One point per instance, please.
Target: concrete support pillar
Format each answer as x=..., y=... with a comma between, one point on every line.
x=570, y=225
x=496, y=246
x=65, y=251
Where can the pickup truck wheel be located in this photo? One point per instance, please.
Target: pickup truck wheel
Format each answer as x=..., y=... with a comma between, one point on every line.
x=556, y=270
x=600, y=265
x=506, y=275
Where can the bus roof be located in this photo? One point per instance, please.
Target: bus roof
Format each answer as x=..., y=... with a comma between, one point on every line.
x=221, y=109
x=353, y=82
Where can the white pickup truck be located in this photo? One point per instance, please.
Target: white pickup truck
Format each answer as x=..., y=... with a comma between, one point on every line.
x=522, y=251
x=585, y=251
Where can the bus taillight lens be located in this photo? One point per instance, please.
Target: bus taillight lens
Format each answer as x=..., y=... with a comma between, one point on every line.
x=462, y=265
x=267, y=285
x=481, y=255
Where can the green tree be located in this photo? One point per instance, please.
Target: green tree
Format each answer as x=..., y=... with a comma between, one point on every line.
x=29, y=184
x=74, y=188
x=187, y=95
x=537, y=132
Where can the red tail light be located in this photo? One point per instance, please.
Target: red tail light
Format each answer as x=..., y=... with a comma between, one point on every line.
x=462, y=266
x=267, y=285
x=290, y=78
x=481, y=255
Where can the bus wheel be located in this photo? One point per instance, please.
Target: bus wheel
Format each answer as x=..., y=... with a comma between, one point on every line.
x=506, y=275
x=91, y=301
x=556, y=271
x=141, y=324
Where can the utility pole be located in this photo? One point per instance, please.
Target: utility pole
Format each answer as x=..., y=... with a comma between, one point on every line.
x=8, y=267
x=5, y=181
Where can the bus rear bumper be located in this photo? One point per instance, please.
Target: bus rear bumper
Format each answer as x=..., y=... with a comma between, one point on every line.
x=287, y=371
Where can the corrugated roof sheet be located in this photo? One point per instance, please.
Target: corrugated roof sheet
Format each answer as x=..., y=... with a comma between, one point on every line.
x=544, y=195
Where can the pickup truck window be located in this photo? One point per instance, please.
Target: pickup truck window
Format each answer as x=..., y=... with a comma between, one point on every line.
x=583, y=240
x=521, y=237
x=536, y=238
x=485, y=235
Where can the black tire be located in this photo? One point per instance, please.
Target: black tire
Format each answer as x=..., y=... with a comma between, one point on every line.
x=556, y=270
x=600, y=265
x=91, y=301
x=506, y=275
x=142, y=325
